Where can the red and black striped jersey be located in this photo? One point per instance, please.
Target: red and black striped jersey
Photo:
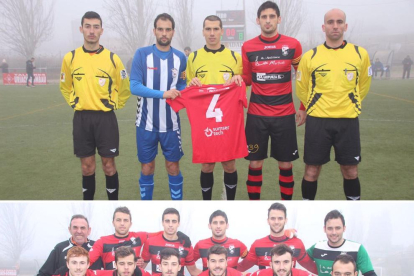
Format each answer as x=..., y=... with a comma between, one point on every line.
x=154, y=245
x=260, y=252
x=269, y=272
x=105, y=247
x=229, y=272
x=235, y=250
x=267, y=66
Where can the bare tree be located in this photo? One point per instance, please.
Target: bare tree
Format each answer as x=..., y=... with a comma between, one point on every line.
x=25, y=24
x=182, y=12
x=16, y=233
x=132, y=20
x=291, y=12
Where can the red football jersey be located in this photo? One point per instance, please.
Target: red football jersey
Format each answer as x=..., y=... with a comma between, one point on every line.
x=269, y=272
x=217, y=121
x=230, y=272
x=267, y=66
x=105, y=247
x=260, y=251
x=235, y=250
x=153, y=247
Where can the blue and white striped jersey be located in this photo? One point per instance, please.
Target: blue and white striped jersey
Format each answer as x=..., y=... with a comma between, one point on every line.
x=153, y=72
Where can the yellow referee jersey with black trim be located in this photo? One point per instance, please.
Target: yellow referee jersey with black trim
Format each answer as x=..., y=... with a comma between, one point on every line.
x=213, y=66
x=94, y=81
x=331, y=83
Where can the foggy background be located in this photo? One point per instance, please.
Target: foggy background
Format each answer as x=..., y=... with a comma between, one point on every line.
x=377, y=25
x=29, y=231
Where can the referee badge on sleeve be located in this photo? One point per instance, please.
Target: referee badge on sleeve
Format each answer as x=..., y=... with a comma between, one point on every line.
x=124, y=74
x=298, y=75
x=370, y=71
x=62, y=77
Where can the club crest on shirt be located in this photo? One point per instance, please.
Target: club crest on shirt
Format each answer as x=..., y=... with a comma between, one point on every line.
x=285, y=50
x=226, y=76
x=183, y=75
x=174, y=72
x=350, y=76
x=102, y=81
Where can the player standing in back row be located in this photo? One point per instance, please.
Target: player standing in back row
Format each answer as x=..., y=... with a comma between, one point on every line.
x=94, y=83
x=267, y=64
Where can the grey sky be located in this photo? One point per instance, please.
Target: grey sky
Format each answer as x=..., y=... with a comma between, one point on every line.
x=370, y=17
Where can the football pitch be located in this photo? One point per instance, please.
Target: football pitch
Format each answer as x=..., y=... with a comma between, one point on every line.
x=37, y=161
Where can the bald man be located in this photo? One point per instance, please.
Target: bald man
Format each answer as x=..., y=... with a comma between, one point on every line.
x=332, y=81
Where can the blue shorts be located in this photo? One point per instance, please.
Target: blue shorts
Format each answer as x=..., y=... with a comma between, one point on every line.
x=147, y=145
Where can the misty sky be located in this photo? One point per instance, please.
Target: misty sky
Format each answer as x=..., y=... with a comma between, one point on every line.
x=374, y=17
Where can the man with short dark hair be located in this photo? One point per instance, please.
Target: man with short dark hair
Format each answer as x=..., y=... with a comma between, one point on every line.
x=94, y=83
x=267, y=64
x=157, y=74
x=170, y=238
x=215, y=64
x=344, y=264
x=259, y=253
x=79, y=230
x=105, y=246
x=170, y=262
x=218, y=223
x=325, y=252
x=29, y=70
x=332, y=81
x=281, y=263
x=217, y=263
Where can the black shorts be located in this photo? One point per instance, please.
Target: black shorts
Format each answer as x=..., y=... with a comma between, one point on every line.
x=95, y=129
x=323, y=133
x=282, y=132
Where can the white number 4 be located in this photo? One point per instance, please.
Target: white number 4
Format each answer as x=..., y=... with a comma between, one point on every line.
x=213, y=112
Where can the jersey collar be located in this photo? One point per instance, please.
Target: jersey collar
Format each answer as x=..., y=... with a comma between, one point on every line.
x=101, y=48
x=278, y=239
x=340, y=47
x=270, y=40
x=219, y=241
x=221, y=49
x=336, y=246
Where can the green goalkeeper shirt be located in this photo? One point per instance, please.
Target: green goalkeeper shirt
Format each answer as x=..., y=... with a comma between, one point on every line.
x=324, y=256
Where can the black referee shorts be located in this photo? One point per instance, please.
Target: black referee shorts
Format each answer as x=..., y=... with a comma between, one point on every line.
x=282, y=133
x=323, y=133
x=95, y=129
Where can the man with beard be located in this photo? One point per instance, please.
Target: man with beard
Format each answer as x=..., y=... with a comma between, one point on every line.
x=157, y=74
x=281, y=263
x=170, y=262
x=259, y=253
x=170, y=238
x=218, y=224
x=344, y=264
x=325, y=252
x=125, y=262
x=217, y=263
x=79, y=230
x=105, y=246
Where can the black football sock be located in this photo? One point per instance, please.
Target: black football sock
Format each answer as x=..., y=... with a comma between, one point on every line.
x=254, y=183
x=309, y=189
x=88, y=187
x=112, y=186
x=207, y=182
x=230, y=182
x=286, y=183
x=352, y=189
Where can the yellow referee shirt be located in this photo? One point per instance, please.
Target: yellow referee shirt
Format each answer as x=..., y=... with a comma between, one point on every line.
x=94, y=81
x=213, y=67
x=331, y=83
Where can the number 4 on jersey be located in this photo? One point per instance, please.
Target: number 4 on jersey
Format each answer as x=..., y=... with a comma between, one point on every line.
x=213, y=112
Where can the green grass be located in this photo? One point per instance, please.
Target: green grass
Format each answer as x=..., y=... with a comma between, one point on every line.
x=38, y=161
